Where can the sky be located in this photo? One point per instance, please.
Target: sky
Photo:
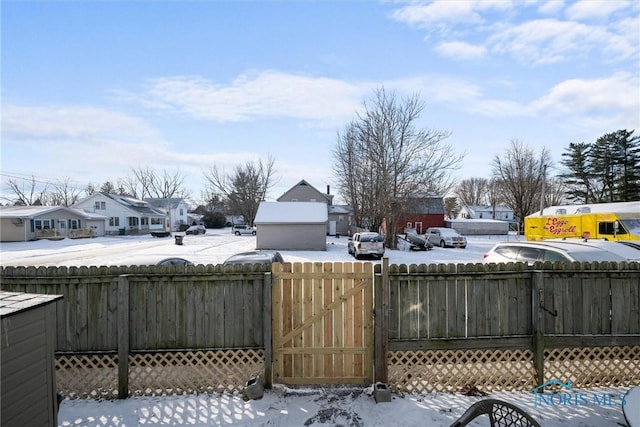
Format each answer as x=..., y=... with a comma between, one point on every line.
x=93, y=90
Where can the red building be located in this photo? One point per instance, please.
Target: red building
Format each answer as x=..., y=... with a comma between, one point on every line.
x=421, y=212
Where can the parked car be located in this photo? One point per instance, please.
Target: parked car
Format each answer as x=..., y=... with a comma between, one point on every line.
x=554, y=251
x=366, y=243
x=628, y=251
x=254, y=257
x=174, y=261
x=445, y=237
x=196, y=229
x=243, y=229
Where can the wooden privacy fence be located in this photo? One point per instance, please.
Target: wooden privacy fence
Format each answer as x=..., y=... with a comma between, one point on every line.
x=169, y=330
x=509, y=327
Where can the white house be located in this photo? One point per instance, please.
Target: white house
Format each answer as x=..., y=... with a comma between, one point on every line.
x=291, y=226
x=175, y=208
x=126, y=215
x=499, y=212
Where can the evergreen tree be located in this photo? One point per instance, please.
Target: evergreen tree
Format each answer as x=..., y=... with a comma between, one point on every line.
x=579, y=177
x=626, y=150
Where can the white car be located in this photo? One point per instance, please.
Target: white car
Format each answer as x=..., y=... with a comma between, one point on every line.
x=243, y=229
x=366, y=243
x=556, y=251
x=445, y=237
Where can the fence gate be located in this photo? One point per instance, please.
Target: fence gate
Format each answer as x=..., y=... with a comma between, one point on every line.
x=322, y=323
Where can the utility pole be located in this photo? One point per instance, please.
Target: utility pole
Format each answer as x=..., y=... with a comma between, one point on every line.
x=544, y=179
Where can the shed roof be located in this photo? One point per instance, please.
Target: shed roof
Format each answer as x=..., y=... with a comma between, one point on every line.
x=15, y=302
x=291, y=213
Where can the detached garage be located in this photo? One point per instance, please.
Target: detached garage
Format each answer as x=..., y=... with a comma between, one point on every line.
x=291, y=226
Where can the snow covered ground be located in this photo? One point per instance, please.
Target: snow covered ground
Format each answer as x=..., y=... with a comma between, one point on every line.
x=283, y=406
x=211, y=248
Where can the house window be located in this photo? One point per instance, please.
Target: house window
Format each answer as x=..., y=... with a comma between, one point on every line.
x=181, y=212
x=134, y=221
x=43, y=224
x=156, y=221
x=100, y=206
x=145, y=221
x=114, y=221
x=74, y=224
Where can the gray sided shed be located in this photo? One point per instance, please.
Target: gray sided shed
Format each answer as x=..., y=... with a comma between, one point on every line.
x=291, y=226
x=28, y=337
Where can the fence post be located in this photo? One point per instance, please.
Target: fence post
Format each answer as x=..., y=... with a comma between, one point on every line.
x=268, y=349
x=381, y=333
x=537, y=321
x=123, y=336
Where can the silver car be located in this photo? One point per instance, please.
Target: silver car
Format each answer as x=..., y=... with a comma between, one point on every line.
x=445, y=237
x=541, y=251
x=243, y=229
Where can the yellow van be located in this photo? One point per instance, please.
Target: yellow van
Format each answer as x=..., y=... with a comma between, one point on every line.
x=610, y=221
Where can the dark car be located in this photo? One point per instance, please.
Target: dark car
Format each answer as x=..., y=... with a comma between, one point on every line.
x=174, y=261
x=254, y=257
x=196, y=229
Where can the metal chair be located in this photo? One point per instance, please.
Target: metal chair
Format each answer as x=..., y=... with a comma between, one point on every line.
x=500, y=413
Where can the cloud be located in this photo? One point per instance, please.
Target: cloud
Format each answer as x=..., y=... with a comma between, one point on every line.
x=256, y=95
x=444, y=12
x=615, y=95
x=590, y=26
x=594, y=9
x=547, y=41
x=70, y=122
x=461, y=50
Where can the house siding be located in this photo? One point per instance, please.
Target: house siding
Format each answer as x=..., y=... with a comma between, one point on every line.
x=28, y=368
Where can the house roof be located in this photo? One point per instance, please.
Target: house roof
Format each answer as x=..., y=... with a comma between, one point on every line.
x=172, y=202
x=36, y=211
x=291, y=212
x=304, y=183
x=139, y=206
x=488, y=208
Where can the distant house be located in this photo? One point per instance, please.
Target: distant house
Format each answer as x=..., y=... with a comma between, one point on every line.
x=421, y=211
x=340, y=217
x=25, y=223
x=125, y=215
x=291, y=226
x=499, y=212
x=176, y=209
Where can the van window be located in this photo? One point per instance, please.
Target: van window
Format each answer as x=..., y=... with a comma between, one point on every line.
x=609, y=228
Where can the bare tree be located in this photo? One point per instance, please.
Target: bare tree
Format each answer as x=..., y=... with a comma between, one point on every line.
x=27, y=194
x=245, y=187
x=520, y=174
x=472, y=191
x=383, y=161
x=147, y=183
x=64, y=194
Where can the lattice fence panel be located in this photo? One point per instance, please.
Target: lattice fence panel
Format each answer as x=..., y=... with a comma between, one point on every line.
x=453, y=370
x=87, y=376
x=594, y=366
x=185, y=372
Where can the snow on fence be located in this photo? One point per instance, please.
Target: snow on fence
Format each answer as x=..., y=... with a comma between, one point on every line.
x=169, y=330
